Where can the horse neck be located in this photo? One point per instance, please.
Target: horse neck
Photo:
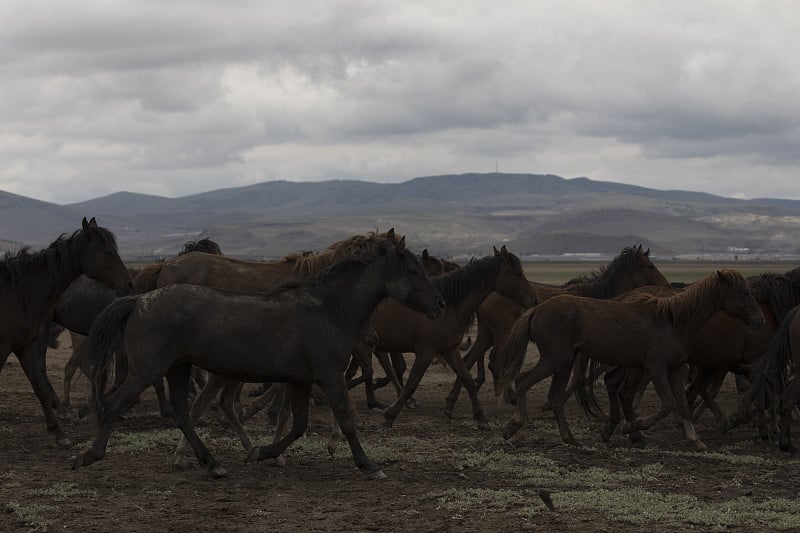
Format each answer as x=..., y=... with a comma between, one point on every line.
x=353, y=296
x=464, y=289
x=604, y=285
x=46, y=278
x=690, y=309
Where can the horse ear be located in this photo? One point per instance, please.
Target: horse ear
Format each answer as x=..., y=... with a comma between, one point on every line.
x=503, y=250
x=402, y=243
x=92, y=223
x=640, y=249
x=647, y=253
x=495, y=250
x=84, y=224
x=390, y=234
x=425, y=254
x=721, y=275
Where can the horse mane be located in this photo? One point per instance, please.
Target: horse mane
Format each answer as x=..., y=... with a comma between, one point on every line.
x=775, y=289
x=701, y=298
x=600, y=284
x=60, y=258
x=456, y=285
x=203, y=245
x=365, y=254
x=307, y=264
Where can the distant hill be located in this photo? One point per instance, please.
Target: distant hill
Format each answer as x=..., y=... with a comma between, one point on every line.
x=452, y=215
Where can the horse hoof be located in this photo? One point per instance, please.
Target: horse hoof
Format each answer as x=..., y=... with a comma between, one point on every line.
x=448, y=413
x=64, y=442
x=181, y=462
x=483, y=425
x=605, y=435
x=280, y=461
x=377, y=475
x=252, y=455
x=700, y=447
x=411, y=403
x=217, y=472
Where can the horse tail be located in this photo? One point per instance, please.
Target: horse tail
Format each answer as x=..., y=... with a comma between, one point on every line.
x=512, y=354
x=585, y=374
x=105, y=339
x=147, y=279
x=777, y=365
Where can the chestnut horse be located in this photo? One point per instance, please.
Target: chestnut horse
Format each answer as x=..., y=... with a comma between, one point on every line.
x=496, y=315
x=723, y=345
x=652, y=333
x=30, y=285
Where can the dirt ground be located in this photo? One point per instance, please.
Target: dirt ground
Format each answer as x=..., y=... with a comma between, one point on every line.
x=443, y=474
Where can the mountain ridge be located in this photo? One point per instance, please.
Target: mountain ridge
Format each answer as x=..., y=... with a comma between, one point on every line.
x=453, y=214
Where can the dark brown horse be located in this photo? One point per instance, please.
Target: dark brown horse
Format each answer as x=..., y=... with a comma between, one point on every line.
x=777, y=375
x=723, y=345
x=400, y=330
x=30, y=285
x=300, y=333
x=496, y=315
x=652, y=333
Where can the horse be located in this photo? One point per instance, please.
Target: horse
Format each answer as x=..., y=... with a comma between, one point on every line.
x=723, y=345
x=650, y=333
x=496, y=315
x=775, y=380
x=30, y=285
x=401, y=330
x=300, y=333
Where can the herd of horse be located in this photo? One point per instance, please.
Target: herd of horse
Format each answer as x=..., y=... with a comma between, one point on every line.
x=311, y=321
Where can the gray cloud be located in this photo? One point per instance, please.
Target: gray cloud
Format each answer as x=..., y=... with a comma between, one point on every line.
x=174, y=98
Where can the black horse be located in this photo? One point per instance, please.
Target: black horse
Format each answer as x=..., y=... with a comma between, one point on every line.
x=300, y=333
x=30, y=285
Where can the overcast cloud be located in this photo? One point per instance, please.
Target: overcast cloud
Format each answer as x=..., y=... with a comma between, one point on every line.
x=174, y=98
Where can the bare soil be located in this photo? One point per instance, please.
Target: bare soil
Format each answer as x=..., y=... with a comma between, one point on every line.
x=443, y=474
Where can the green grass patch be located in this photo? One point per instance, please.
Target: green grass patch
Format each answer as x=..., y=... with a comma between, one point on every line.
x=646, y=508
x=63, y=491
x=32, y=515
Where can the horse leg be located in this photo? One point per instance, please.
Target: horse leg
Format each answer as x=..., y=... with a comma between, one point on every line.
x=259, y=403
x=179, y=379
x=453, y=358
x=363, y=357
x=708, y=392
x=677, y=380
x=337, y=396
x=34, y=370
x=661, y=383
x=558, y=397
x=525, y=381
x=114, y=405
x=788, y=401
x=630, y=395
x=227, y=402
x=421, y=363
x=399, y=364
x=476, y=351
x=298, y=395
x=164, y=407
x=79, y=354
x=199, y=406
x=613, y=380
x=388, y=369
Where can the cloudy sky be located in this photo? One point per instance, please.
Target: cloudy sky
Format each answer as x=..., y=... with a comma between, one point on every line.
x=173, y=98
